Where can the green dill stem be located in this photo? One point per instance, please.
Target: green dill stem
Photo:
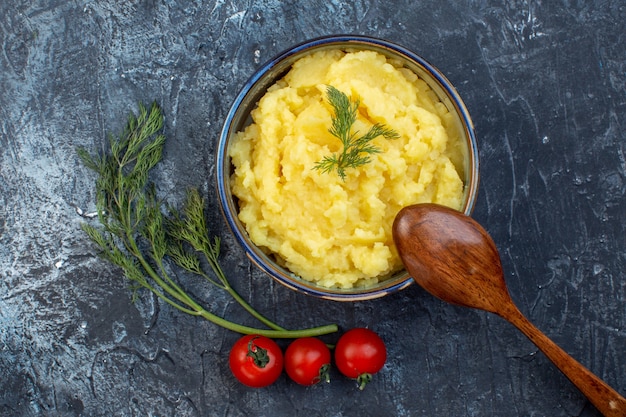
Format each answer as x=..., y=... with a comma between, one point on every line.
x=126, y=209
x=170, y=286
x=275, y=334
x=243, y=303
x=194, y=309
x=191, y=307
x=193, y=230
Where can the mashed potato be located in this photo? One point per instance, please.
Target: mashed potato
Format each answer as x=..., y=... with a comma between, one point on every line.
x=332, y=232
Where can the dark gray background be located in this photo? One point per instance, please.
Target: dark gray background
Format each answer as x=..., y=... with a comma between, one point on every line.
x=545, y=83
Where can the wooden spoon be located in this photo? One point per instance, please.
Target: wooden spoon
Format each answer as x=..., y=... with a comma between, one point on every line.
x=451, y=256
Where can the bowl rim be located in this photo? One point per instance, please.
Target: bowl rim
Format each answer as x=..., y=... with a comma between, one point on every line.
x=222, y=162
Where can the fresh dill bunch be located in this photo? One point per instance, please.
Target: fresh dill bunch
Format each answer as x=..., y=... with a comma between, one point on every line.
x=356, y=150
x=138, y=236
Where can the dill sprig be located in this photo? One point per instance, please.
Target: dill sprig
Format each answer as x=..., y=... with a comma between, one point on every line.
x=356, y=150
x=147, y=240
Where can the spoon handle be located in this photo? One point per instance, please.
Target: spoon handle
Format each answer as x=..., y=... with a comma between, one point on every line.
x=608, y=401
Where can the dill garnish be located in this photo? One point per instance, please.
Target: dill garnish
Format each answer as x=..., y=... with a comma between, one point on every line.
x=148, y=240
x=356, y=150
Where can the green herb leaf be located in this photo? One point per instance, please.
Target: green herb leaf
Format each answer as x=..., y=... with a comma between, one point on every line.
x=136, y=235
x=356, y=150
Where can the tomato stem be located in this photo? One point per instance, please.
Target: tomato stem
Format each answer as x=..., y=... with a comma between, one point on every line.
x=363, y=379
x=324, y=373
x=257, y=353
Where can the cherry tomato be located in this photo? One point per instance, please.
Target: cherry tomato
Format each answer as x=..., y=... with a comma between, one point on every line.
x=307, y=361
x=359, y=354
x=256, y=361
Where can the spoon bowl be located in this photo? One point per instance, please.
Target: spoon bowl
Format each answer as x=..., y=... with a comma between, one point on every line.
x=451, y=256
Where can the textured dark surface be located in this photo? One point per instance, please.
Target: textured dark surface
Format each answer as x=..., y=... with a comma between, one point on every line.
x=545, y=83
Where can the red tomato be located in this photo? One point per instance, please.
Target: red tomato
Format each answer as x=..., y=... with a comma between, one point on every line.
x=307, y=361
x=256, y=361
x=359, y=354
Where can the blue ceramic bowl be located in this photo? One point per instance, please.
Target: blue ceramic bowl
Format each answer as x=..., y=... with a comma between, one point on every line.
x=239, y=116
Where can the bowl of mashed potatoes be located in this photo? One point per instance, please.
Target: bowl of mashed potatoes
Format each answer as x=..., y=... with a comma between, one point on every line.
x=308, y=187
